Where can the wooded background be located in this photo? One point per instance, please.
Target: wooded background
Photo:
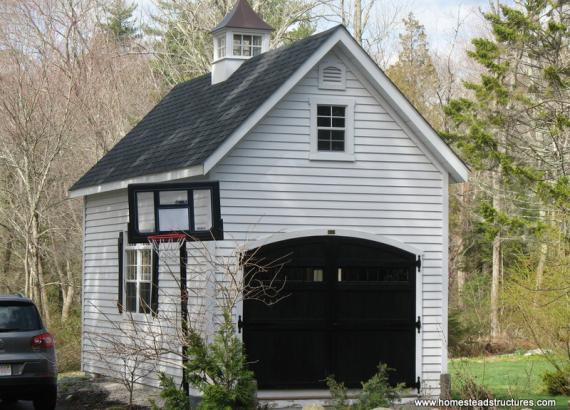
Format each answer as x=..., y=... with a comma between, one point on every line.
x=76, y=75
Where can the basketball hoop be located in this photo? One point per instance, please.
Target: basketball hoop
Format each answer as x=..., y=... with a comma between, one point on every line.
x=167, y=237
x=175, y=240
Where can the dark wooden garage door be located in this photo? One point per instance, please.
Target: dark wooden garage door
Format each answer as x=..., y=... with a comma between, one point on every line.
x=349, y=305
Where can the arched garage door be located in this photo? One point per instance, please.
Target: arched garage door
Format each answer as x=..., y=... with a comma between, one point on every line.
x=350, y=304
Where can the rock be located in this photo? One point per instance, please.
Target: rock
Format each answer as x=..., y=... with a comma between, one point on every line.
x=537, y=351
x=313, y=406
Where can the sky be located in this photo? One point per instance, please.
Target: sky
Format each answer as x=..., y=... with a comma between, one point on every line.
x=440, y=18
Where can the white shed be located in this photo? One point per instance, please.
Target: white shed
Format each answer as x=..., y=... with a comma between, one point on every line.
x=308, y=151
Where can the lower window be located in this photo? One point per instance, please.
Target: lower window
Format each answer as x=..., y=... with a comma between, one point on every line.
x=138, y=280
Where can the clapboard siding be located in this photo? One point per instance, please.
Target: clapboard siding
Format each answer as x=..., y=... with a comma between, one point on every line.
x=269, y=186
x=106, y=215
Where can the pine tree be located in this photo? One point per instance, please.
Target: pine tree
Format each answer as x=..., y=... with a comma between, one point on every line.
x=517, y=112
x=414, y=73
x=119, y=22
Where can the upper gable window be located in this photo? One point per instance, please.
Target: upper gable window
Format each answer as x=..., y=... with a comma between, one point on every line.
x=331, y=122
x=332, y=76
x=332, y=128
x=246, y=45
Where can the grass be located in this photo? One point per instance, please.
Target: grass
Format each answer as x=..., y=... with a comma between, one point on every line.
x=508, y=376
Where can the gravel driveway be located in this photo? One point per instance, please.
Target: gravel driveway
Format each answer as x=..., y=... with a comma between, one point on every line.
x=77, y=391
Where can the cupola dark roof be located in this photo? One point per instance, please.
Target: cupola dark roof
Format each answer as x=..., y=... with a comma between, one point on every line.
x=243, y=16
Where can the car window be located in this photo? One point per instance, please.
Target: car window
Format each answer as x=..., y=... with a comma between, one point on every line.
x=18, y=317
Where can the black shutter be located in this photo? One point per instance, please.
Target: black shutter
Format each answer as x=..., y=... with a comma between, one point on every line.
x=154, y=295
x=120, y=275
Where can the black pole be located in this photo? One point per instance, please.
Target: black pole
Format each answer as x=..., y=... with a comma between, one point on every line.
x=184, y=313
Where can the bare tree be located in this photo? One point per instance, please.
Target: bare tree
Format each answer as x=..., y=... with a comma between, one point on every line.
x=143, y=344
x=69, y=92
x=373, y=23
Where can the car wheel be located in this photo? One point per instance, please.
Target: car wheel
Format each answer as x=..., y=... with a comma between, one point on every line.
x=47, y=400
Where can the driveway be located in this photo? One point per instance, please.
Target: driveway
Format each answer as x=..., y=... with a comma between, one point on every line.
x=77, y=391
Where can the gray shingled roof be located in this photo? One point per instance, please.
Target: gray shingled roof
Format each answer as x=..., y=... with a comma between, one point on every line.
x=196, y=117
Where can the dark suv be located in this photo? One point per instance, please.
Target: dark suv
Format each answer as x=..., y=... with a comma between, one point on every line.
x=28, y=369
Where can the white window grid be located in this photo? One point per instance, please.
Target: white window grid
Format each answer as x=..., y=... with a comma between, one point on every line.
x=246, y=45
x=221, y=47
x=138, y=264
x=336, y=130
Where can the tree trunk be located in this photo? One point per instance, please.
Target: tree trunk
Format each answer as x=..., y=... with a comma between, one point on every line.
x=496, y=264
x=495, y=283
x=43, y=293
x=460, y=287
x=343, y=13
x=68, y=292
x=540, y=271
x=358, y=21
x=37, y=282
x=6, y=263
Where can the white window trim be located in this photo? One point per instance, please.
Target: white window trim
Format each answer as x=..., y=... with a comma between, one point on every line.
x=130, y=247
x=328, y=85
x=348, y=154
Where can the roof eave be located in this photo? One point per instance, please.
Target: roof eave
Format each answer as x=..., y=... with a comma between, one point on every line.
x=193, y=171
x=218, y=30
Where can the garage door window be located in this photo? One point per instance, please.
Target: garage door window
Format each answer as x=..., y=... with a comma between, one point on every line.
x=372, y=274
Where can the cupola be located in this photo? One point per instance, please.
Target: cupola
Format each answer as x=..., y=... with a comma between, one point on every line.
x=241, y=35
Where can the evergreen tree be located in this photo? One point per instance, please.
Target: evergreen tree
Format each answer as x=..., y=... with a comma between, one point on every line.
x=514, y=130
x=414, y=73
x=119, y=22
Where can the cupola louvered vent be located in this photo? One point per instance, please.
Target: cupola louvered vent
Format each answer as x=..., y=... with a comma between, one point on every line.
x=332, y=76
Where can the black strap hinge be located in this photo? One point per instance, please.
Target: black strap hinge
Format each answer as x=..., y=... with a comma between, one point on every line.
x=419, y=324
x=419, y=263
x=240, y=324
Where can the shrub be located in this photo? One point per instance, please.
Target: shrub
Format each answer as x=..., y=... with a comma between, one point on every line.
x=557, y=381
x=376, y=392
x=338, y=393
x=462, y=338
x=68, y=342
x=174, y=398
x=469, y=389
x=219, y=370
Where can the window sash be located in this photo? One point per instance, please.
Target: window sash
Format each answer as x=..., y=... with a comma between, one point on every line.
x=331, y=128
x=221, y=47
x=138, y=280
x=167, y=208
x=247, y=45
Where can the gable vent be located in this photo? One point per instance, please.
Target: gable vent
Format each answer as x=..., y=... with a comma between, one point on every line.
x=332, y=76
